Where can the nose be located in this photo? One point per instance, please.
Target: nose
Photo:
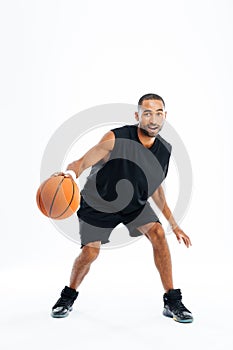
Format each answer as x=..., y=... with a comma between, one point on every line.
x=153, y=119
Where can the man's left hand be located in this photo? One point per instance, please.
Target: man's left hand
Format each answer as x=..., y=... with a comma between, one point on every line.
x=180, y=235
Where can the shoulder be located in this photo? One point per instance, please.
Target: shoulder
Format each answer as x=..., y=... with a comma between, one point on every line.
x=164, y=143
x=108, y=136
x=123, y=131
x=107, y=141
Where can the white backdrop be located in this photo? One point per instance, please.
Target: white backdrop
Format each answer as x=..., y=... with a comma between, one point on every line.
x=61, y=57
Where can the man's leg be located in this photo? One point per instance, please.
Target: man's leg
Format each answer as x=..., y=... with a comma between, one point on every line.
x=155, y=233
x=80, y=268
x=173, y=306
x=83, y=263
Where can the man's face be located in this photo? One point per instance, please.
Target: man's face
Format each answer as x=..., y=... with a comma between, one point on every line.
x=151, y=116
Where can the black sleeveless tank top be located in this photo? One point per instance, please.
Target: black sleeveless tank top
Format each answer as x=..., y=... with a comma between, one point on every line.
x=131, y=175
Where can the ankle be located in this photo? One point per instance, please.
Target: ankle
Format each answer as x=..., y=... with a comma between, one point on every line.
x=72, y=287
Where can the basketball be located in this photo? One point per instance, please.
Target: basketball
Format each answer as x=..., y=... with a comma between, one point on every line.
x=58, y=197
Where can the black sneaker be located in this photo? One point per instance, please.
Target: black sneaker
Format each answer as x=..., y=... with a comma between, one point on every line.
x=64, y=304
x=174, y=308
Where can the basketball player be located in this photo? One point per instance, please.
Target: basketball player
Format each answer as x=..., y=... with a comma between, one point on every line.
x=136, y=153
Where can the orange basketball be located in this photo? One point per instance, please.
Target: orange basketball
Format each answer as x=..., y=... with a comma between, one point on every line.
x=58, y=197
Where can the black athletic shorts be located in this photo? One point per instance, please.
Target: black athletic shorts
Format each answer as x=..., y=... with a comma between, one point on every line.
x=97, y=226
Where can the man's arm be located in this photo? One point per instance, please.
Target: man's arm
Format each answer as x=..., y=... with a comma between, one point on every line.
x=94, y=155
x=159, y=198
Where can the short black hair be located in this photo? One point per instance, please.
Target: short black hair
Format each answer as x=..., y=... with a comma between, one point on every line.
x=150, y=97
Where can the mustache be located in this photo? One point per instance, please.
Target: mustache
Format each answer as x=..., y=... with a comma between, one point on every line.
x=146, y=132
x=154, y=126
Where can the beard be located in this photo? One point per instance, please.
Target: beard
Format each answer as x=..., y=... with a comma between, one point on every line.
x=147, y=133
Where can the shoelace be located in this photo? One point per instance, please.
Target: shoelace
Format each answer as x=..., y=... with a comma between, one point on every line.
x=178, y=306
x=63, y=301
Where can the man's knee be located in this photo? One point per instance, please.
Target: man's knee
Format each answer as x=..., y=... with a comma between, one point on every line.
x=91, y=251
x=156, y=232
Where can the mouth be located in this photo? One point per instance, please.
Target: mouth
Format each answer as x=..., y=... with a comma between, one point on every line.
x=152, y=128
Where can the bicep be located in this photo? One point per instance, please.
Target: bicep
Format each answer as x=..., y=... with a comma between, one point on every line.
x=100, y=150
x=107, y=142
x=94, y=155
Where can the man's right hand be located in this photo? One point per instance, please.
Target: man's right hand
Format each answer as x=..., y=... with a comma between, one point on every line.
x=58, y=173
x=67, y=173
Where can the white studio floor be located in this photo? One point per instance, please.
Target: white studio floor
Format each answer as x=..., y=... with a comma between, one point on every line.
x=113, y=322
x=119, y=306
x=60, y=58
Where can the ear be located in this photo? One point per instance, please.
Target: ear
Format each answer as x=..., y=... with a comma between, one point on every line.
x=136, y=116
x=165, y=115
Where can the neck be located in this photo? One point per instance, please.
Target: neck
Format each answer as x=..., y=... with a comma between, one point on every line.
x=147, y=141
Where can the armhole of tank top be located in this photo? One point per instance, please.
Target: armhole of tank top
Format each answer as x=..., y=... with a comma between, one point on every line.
x=165, y=144
x=115, y=142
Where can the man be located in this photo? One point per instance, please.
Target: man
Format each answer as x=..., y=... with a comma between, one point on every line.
x=128, y=166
